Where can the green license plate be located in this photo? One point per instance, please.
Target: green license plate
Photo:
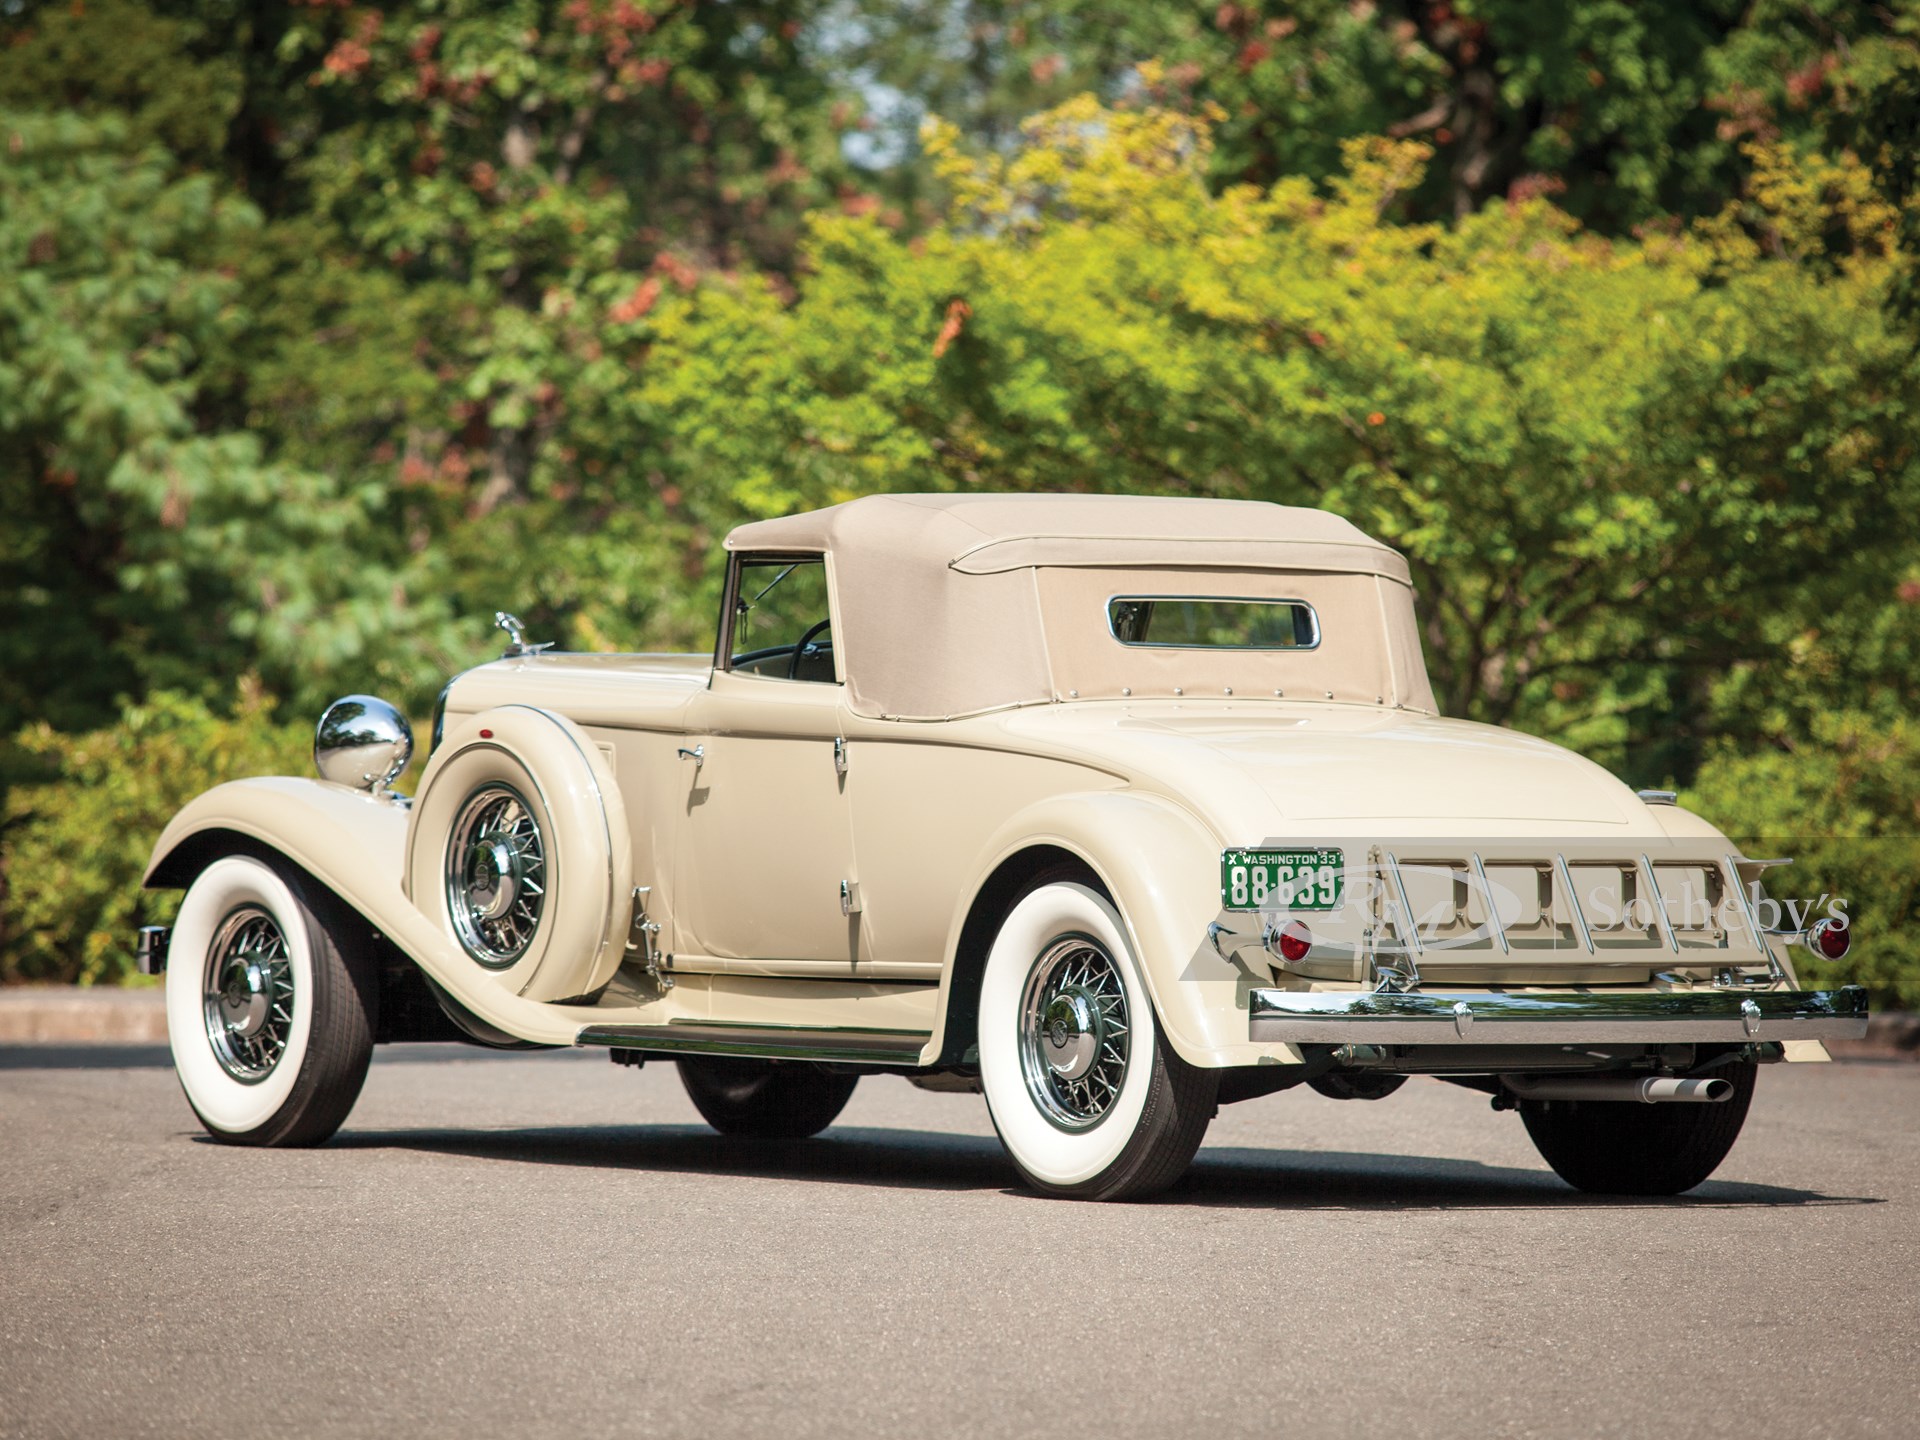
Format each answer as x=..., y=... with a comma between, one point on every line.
x=1281, y=879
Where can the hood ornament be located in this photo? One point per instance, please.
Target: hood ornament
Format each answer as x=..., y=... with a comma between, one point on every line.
x=517, y=636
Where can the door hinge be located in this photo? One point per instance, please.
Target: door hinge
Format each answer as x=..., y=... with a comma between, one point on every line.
x=646, y=929
x=840, y=756
x=849, y=897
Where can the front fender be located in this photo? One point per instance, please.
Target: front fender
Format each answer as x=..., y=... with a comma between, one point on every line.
x=355, y=845
x=1162, y=867
x=344, y=838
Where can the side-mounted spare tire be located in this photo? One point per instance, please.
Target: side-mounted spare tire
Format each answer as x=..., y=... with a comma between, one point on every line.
x=519, y=848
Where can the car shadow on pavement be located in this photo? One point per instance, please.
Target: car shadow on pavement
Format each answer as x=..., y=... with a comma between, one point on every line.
x=1222, y=1176
x=846, y=1155
x=1238, y=1176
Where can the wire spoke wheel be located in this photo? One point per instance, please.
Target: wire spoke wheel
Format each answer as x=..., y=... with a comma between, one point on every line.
x=248, y=994
x=497, y=875
x=1085, y=1089
x=1074, y=1032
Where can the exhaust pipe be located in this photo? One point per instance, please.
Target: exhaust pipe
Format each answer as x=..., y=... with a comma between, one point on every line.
x=1648, y=1089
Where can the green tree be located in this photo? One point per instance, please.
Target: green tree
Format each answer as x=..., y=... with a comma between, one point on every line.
x=1631, y=112
x=76, y=839
x=174, y=80
x=148, y=544
x=1844, y=804
x=327, y=329
x=436, y=229
x=1619, y=467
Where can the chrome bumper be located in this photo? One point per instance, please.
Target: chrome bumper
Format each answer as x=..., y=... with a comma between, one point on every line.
x=1647, y=1017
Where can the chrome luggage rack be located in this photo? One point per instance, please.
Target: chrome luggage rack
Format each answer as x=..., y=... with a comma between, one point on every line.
x=1394, y=1008
x=1393, y=908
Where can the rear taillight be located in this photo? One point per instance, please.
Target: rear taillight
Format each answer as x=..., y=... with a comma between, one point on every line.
x=1829, y=939
x=1290, y=941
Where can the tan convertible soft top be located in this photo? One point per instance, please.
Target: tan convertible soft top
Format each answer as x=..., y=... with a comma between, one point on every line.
x=944, y=608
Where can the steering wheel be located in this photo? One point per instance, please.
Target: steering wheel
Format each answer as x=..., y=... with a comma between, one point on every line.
x=793, y=665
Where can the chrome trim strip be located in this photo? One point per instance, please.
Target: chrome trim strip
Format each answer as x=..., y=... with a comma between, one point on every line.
x=1412, y=937
x=1494, y=922
x=1573, y=903
x=1751, y=918
x=1659, y=906
x=1649, y=1017
x=771, y=1042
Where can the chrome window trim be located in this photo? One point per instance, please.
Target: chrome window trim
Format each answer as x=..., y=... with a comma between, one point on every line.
x=1313, y=616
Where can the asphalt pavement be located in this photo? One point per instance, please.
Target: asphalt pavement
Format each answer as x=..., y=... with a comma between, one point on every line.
x=552, y=1245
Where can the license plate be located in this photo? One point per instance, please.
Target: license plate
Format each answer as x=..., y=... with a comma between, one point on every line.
x=1281, y=879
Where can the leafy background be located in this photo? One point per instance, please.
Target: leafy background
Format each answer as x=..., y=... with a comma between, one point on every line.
x=326, y=329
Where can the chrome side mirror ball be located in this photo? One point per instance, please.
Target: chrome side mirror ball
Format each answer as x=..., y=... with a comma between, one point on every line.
x=362, y=741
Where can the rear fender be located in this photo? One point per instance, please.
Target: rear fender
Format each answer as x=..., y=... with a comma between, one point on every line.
x=1162, y=867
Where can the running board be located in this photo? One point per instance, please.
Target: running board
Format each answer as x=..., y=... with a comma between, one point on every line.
x=767, y=1042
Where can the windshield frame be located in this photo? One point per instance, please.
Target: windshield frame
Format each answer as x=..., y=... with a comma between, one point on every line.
x=737, y=562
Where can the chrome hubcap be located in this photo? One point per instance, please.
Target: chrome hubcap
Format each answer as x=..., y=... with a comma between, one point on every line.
x=496, y=875
x=493, y=884
x=1070, y=1035
x=1074, y=1033
x=248, y=994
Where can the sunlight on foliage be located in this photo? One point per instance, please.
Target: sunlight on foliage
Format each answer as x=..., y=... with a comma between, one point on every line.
x=1610, y=460
x=78, y=835
x=327, y=330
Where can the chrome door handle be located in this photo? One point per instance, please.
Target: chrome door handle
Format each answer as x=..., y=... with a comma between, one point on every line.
x=698, y=754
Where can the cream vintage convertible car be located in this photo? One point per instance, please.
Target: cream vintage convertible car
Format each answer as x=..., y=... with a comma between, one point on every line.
x=1117, y=809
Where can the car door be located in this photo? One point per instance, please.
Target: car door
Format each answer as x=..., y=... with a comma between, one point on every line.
x=768, y=843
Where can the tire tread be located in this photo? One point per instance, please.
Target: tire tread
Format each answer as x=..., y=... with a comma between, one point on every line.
x=1180, y=1107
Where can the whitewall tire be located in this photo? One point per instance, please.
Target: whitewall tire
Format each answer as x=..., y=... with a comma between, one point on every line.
x=1085, y=1091
x=270, y=1023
